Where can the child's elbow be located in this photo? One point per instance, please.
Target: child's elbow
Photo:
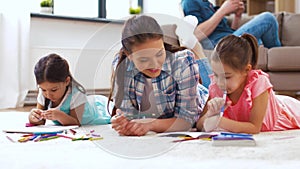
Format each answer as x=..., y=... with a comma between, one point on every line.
x=255, y=130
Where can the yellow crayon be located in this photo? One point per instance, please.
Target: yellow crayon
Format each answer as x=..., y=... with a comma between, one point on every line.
x=95, y=138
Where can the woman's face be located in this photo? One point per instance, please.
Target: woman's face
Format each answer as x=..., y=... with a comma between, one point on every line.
x=54, y=91
x=149, y=57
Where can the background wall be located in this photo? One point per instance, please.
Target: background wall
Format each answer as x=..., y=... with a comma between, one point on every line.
x=88, y=46
x=297, y=8
x=83, y=44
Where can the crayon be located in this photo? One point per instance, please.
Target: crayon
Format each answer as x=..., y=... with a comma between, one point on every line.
x=49, y=138
x=95, y=138
x=10, y=139
x=73, y=131
x=64, y=136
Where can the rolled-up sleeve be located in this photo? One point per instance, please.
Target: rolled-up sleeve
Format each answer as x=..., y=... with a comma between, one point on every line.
x=187, y=96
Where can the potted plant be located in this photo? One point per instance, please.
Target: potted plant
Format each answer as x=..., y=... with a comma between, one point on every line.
x=134, y=8
x=46, y=6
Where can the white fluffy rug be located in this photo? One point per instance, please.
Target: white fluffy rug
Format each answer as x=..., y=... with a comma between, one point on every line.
x=274, y=150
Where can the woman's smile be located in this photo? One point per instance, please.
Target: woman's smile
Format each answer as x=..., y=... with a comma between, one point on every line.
x=153, y=70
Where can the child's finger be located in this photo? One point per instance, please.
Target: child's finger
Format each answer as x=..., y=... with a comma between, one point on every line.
x=213, y=104
x=35, y=117
x=219, y=103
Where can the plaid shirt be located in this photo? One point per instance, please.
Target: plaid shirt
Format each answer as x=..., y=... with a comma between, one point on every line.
x=177, y=90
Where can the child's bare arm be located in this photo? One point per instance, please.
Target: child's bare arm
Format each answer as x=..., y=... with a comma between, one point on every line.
x=256, y=118
x=73, y=119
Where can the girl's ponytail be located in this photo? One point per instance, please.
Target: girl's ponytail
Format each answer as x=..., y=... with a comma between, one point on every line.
x=254, y=47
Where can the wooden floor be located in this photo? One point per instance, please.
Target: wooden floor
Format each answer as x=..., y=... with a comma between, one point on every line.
x=20, y=109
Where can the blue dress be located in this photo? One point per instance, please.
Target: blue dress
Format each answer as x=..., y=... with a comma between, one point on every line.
x=95, y=111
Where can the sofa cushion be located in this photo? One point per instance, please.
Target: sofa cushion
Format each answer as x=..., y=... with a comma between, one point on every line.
x=262, y=58
x=285, y=81
x=279, y=18
x=284, y=59
x=246, y=18
x=290, y=28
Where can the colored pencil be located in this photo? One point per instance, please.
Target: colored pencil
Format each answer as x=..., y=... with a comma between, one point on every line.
x=10, y=139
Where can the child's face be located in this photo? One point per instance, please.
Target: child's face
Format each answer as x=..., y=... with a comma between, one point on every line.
x=227, y=78
x=54, y=91
x=149, y=57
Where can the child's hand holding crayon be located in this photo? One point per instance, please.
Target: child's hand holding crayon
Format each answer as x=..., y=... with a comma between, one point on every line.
x=36, y=115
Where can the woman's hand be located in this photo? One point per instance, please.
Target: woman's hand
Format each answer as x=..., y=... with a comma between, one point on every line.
x=136, y=128
x=35, y=115
x=127, y=127
x=119, y=122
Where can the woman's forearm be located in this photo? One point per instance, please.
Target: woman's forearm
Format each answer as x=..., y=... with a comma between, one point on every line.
x=169, y=125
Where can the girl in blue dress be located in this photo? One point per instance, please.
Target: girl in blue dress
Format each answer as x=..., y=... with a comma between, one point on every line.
x=62, y=99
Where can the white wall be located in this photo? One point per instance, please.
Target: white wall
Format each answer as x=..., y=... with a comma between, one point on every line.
x=297, y=8
x=86, y=8
x=83, y=44
x=168, y=7
x=88, y=46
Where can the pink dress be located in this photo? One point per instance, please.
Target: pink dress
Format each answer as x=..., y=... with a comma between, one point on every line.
x=283, y=112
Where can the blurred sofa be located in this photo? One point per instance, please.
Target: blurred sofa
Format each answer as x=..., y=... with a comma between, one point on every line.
x=281, y=63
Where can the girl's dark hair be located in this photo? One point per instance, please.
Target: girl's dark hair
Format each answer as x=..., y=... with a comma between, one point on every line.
x=236, y=51
x=53, y=68
x=136, y=30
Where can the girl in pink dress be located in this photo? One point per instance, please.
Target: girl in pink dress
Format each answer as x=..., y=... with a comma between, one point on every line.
x=251, y=105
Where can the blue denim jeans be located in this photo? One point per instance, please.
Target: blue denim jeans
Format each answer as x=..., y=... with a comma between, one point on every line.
x=204, y=71
x=264, y=27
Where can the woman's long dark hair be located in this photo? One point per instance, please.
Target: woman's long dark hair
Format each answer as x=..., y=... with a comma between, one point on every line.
x=53, y=68
x=136, y=30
